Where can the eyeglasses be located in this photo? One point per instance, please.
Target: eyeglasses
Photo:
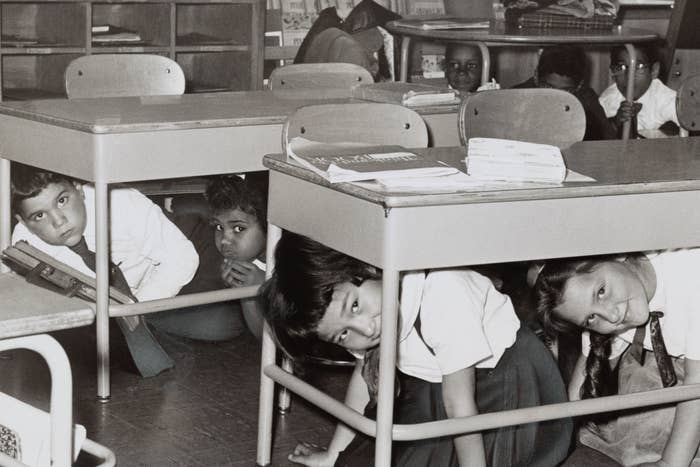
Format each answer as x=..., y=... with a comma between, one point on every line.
x=455, y=66
x=621, y=68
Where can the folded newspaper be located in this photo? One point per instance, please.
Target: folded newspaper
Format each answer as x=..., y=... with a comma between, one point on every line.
x=510, y=160
x=350, y=162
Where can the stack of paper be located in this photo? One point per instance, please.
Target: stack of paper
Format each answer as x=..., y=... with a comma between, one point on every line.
x=508, y=160
x=349, y=162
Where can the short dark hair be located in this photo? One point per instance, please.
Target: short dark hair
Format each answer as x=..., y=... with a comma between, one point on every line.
x=27, y=181
x=650, y=52
x=226, y=192
x=564, y=60
x=452, y=46
x=300, y=289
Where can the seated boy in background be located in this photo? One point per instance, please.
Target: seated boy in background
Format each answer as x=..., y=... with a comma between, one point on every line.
x=654, y=103
x=463, y=68
x=153, y=259
x=564, y=67
x=230, y=237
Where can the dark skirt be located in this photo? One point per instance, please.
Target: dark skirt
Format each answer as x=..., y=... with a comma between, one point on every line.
x=526, y=376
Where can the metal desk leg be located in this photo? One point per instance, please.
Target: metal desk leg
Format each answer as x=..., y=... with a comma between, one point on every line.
x=267, y=385
x=102, y=278
x=5, y=215
x=485, y=62
x=61, y=392
x=405, y=47
x=387, y=367
x=626, y=127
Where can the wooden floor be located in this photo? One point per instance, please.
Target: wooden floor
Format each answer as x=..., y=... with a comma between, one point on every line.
x=202, y=413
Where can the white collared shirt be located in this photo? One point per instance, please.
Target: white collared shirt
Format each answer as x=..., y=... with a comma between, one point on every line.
x=658, y=105
x=464, y=319
x=156, y=258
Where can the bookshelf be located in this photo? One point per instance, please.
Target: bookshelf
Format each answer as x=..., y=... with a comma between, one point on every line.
x=218, y=43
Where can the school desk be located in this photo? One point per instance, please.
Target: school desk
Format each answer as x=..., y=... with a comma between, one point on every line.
x=27, y=313
x=645, y=197
x=500, y=33
x=131, y=139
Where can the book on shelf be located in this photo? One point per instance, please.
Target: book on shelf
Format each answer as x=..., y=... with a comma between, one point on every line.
x=408, y=94
x=12, y=40
x=350, y=162
x=444, y=24
x=107, y=33
x=510, y=160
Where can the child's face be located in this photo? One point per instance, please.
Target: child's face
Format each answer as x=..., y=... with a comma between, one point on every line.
x=353, y=318
x=238, y=235
x=56, y=215
x=643, y=75
x=609, y=300
x=463, y=68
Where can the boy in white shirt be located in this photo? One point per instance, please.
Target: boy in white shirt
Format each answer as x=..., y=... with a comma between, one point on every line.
x=654, y=103
x=56, y=215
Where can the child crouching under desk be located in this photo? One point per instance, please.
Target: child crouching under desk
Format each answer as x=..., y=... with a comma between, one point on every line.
x=612, y=301
x=461, y=351
x=228, y=229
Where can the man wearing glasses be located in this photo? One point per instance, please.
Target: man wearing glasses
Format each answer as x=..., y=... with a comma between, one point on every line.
x=654, y=103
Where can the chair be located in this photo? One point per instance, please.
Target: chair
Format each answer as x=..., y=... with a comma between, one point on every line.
x=367, y=122
x=682, y=43
x=117, y=75
x=37, y=437
x=688, y=105
x=328, y=80
x=123, y=75
x=372, y=123
x=546, y=116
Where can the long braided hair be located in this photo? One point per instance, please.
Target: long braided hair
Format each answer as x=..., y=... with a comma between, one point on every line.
x=601, y=378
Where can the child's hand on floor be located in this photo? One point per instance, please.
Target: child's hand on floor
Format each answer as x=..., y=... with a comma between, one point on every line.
x=236, y=273
x=626, y=111
x=312, y=456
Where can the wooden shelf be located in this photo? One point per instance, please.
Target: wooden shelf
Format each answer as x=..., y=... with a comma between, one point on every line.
x=217, y=42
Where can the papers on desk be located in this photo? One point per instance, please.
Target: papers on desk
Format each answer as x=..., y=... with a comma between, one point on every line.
x=349, y=162
x=518, y=161
x=459, y=182
x=28, y=432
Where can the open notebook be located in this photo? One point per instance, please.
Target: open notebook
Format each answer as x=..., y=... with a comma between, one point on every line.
x=25, y=433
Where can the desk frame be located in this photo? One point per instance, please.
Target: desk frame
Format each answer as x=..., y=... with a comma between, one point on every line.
x=399, y=234
x=106, y=141
x=498, y=34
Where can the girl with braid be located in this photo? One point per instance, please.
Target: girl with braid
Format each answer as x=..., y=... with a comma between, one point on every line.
x=611, y=301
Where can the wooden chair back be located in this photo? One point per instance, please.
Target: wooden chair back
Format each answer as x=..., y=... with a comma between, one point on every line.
x=688, y=104
x=328, y=80
x=682, y=43
x=546, y=116
x=366, y=122
x=116, y=75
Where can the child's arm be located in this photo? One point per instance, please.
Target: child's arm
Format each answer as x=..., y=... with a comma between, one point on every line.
x=356, y=398
x=685, y=435
x=458, y=393
x=242, y=274
x=625, y=112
